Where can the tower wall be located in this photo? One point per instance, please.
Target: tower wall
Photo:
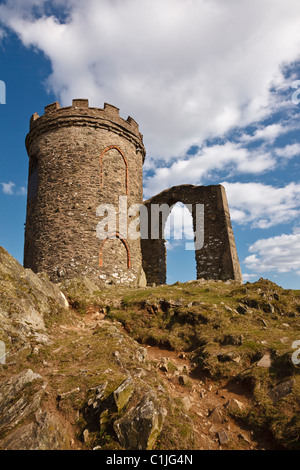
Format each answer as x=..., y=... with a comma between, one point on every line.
x=79, y=158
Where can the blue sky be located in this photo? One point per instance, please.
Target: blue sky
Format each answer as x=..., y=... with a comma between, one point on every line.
x=213, y=86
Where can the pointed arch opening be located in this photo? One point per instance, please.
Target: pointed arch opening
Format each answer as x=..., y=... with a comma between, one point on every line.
x=107, y=149
x=114, y=236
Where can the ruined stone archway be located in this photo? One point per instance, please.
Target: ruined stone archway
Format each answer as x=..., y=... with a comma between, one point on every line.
x=217, y=258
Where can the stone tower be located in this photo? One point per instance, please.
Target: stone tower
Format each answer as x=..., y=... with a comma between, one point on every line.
x=79, y=158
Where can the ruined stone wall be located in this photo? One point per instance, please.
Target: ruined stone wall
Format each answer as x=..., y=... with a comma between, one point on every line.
x=80, y=157
x=218, y=258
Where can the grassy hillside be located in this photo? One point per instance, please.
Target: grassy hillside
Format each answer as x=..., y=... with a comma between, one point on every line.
x=224, y=330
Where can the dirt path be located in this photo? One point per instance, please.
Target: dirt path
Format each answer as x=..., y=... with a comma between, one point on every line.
x=203, y=401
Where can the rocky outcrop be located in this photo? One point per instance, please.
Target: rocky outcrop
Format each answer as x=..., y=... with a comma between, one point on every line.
x=139, y=428
x=20, y=397
x=46, y=432
x=26, y=299
x=282, y=390
x=23, y=424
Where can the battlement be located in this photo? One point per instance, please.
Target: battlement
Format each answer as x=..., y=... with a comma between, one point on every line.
x=82, y=115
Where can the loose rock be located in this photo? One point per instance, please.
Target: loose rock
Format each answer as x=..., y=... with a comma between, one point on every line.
x=139, y=428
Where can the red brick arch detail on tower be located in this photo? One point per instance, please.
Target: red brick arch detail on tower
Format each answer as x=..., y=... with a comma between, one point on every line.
x=112, y=236
x=111, y=147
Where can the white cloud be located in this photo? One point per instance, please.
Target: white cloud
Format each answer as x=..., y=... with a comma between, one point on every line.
x=249, y=277
x=10, y=189
x=184, y=69
x=179, y=224
x=230, y=158
x=22, y=191
x=263, y=206
x=268, y=133
x=173, y=244
x=280, y=254
x=289, y=151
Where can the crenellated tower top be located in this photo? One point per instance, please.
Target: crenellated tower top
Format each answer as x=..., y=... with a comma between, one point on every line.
x=80, y=114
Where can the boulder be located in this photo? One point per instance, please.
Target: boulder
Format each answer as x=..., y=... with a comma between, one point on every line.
x=234, y=405
x=183, y=380
x=281, y=390
x=216, y=416
x=242, y=309
x=232, y=340
x=123, y=393
x=186, y=403
x=223, y=438
x=42, y=283
x=265, y=361
x=139, y=428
